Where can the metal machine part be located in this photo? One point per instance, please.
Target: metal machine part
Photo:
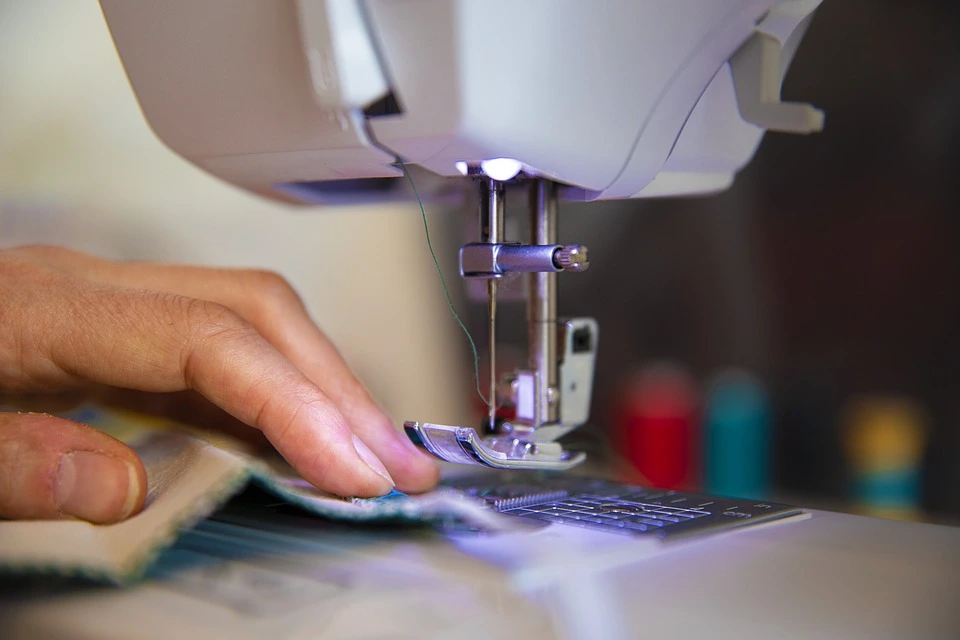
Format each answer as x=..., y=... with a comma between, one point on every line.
x=617, y=508
x=464, y=445
x=482, y=260
x=491, y=233
x=542, y=305
x=552, y=395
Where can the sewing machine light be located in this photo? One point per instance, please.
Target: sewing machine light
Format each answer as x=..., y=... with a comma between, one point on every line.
x=462, y=167
x=501, y=169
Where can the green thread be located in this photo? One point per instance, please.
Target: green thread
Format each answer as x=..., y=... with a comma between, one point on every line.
x=443, y=283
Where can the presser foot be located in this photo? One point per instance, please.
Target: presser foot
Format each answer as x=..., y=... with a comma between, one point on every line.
x=464, y=445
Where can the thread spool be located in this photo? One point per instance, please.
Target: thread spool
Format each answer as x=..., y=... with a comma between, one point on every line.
x=737, y=434
x=658, y=425
x=884, y=438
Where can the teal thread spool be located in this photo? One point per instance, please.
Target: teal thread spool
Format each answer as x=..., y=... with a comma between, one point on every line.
x=737, y=436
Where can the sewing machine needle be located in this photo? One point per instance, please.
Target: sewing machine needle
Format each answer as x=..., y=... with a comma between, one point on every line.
x=492, y=307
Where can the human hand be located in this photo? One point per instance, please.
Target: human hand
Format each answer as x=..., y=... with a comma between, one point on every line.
x=240, y=339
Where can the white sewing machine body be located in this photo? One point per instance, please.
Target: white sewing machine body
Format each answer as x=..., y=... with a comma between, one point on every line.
x=615, y=98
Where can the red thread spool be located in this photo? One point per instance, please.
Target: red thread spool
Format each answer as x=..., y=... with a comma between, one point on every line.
x=658, y=426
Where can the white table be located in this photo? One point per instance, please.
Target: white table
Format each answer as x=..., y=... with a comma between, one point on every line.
x=830, y=576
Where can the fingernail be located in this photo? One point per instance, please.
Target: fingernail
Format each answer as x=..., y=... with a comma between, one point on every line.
x=96, y=487
x=372, y=461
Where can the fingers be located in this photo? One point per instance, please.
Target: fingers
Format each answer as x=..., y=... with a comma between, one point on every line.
x=162, y=342
x=181, y=343
x=53, y=468
x=267, y=302
x=272, y=306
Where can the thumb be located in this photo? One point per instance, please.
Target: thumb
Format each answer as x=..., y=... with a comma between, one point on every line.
x=53, y=468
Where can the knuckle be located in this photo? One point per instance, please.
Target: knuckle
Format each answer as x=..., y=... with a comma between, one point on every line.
x=203, y=326
x=32, y=298
x=270, y=288
x=266, y=294
x=202, y=319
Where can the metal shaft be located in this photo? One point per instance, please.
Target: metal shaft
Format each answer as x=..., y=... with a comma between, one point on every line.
x=542, y=303
x=491, y=231
x=492, y=352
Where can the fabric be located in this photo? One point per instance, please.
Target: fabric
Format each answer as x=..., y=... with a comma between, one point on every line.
x=191, y=475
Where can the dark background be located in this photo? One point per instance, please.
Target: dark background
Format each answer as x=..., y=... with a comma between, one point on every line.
x=830, y=269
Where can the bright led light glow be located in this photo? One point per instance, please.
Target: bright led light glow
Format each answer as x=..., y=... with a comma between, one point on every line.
x=461, y=167
x=501, y=168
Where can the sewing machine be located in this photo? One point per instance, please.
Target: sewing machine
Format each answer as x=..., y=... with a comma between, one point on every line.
x=312, y=99
x=248, y=109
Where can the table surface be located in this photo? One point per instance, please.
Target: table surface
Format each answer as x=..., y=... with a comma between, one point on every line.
x=829, y=576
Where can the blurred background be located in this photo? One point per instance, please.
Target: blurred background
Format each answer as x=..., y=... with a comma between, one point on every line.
x=799, y=335
x=794, y=338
